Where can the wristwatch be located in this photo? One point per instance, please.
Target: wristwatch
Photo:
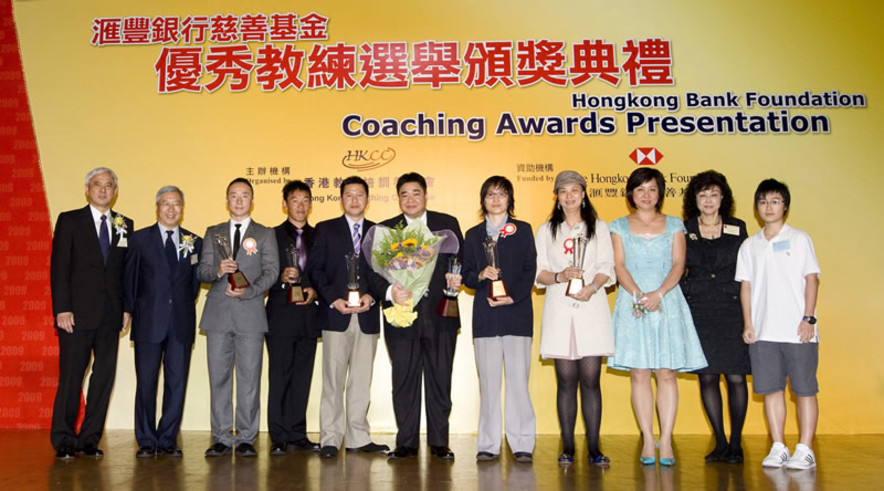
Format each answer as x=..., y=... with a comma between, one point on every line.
x=809, y=319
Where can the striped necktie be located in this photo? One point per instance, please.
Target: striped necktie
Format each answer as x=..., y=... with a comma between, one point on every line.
x=357, y=238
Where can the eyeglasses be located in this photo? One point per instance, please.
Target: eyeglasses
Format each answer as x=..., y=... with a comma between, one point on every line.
x=773, y=202
x=497, y=194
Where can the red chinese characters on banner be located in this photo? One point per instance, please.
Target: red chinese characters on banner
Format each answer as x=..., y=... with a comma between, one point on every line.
x=193, y=29
x=283, y=27
x=107, y=31
x=489, y=63
x=331, y=66
x=224, y=28
x=136, y=30
x=279, y=69
x=314, y=27
x=229, y=62
x=253, y=28
x=649, y=63
x=435, y=63
x=384, y=65
x=594, y=57
x=179, y=69
x=165, y=30
x=541, y=60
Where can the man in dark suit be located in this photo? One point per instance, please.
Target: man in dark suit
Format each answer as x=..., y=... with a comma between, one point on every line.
x=235, y=321
x=86, y=275
x=350, y=333
x=160, y=294
x=292, y=329
x=426, y=348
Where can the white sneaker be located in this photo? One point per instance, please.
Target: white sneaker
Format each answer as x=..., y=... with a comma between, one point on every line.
x=803, y=458
x=778, y=456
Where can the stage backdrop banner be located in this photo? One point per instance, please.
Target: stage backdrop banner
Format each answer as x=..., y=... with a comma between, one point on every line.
x=196, y=94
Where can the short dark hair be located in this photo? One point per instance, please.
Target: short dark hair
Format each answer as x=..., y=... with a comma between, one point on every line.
x=241, y=180
x=641, y=176
x=411, y=177
x=296, y=185
x=769, y=186
x=354, y=180
x=702, y=182
x=495, y=182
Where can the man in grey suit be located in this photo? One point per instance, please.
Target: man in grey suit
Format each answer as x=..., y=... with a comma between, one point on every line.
x=234, y=321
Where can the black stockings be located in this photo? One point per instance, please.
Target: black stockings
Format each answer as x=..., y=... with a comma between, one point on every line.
x=586, y=371
x=738, y=401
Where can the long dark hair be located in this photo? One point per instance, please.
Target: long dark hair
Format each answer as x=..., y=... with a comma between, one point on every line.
x=587, y=214
x=702, y=182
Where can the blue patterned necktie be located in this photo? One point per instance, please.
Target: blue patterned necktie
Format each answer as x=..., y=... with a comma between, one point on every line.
x=104, y=238
x=357, y=238
x=171, y=251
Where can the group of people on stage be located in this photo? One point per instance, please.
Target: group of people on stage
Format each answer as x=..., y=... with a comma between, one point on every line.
x=697, y=296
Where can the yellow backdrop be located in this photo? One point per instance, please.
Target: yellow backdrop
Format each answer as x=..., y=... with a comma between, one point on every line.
x=100, y=106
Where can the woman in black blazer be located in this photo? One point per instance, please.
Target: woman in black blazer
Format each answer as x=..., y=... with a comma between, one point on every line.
x=502, y=326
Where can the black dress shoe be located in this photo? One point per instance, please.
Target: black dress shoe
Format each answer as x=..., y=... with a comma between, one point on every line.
x=523, y=457
x=718, y=454
x=486, y=456
x=303, y=445
x=402, y=453
x=246, y=450
x=174, y=451
x=218, y=450
x=146, y=453
x=328, y=452
x=93, y=451
x=277, y=449
x=442, y=452
x=370, y=447
x=734, y=455
x=65, y=452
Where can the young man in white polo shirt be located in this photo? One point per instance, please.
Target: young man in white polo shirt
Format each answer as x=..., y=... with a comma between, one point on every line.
x=780, y=279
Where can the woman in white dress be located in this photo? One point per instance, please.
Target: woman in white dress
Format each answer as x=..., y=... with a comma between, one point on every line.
x=576, y=329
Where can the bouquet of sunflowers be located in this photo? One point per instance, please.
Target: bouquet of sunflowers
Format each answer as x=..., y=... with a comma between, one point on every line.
x=406, y=255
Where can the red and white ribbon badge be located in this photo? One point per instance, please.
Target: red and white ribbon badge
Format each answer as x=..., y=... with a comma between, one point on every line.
x=508, y=229
x=250, y=245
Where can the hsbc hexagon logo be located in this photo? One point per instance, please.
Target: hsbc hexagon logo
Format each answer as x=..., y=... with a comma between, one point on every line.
x=646, y=156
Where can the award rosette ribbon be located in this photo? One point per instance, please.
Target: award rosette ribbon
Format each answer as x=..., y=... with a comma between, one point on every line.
x=498, y=288
x=296, y=292
x=407, y=255
x=578, y=252
x=236, y=279
x=353, y=295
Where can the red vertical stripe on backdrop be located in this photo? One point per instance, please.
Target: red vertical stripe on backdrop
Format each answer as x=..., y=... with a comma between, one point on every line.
x=28, y=345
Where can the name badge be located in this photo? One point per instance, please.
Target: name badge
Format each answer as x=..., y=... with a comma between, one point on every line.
x=123, y=242
x=782, y=245
x=731, y=229
x=194, y=259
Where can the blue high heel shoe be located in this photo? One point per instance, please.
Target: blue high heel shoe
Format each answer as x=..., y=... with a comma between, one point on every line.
x=649, y=460
x=667, y=462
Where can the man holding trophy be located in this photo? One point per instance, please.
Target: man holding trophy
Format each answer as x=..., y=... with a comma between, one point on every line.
x=348, y=313
x=241, y=264
x=292, y=327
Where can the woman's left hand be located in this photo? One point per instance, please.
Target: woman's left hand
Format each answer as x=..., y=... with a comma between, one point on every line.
x=500, y=301
x=651, y=301
x=584, y=294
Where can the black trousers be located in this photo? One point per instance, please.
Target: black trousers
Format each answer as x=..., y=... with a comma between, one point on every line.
x=174, y=356
x=290, y=373
x=74, y=353
x=430, y=357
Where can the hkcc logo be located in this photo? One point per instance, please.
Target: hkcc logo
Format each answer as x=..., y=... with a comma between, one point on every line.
x=362, y=160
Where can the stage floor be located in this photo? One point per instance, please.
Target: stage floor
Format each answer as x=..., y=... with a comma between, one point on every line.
x=28, y=462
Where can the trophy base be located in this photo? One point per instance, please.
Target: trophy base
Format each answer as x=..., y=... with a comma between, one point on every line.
x=238, y=280
x=296, y=294
x=448, y=307
x=498, y=290
x=574, y=286
x=353, y=298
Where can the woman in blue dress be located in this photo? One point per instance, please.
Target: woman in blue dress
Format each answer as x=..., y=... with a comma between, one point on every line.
x=653, y=330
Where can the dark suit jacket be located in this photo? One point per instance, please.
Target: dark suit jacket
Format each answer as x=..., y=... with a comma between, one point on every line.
x=328, y=271
x=426, y=306
x=82, y=282
x=712, y=278
x=518, y=263
x=283, y=318
x=159, y=299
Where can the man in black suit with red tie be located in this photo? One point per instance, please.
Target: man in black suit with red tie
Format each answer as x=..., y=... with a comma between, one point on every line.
x=160, y=291
x=86, y=274
x=424, y=350
x=292, y=329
